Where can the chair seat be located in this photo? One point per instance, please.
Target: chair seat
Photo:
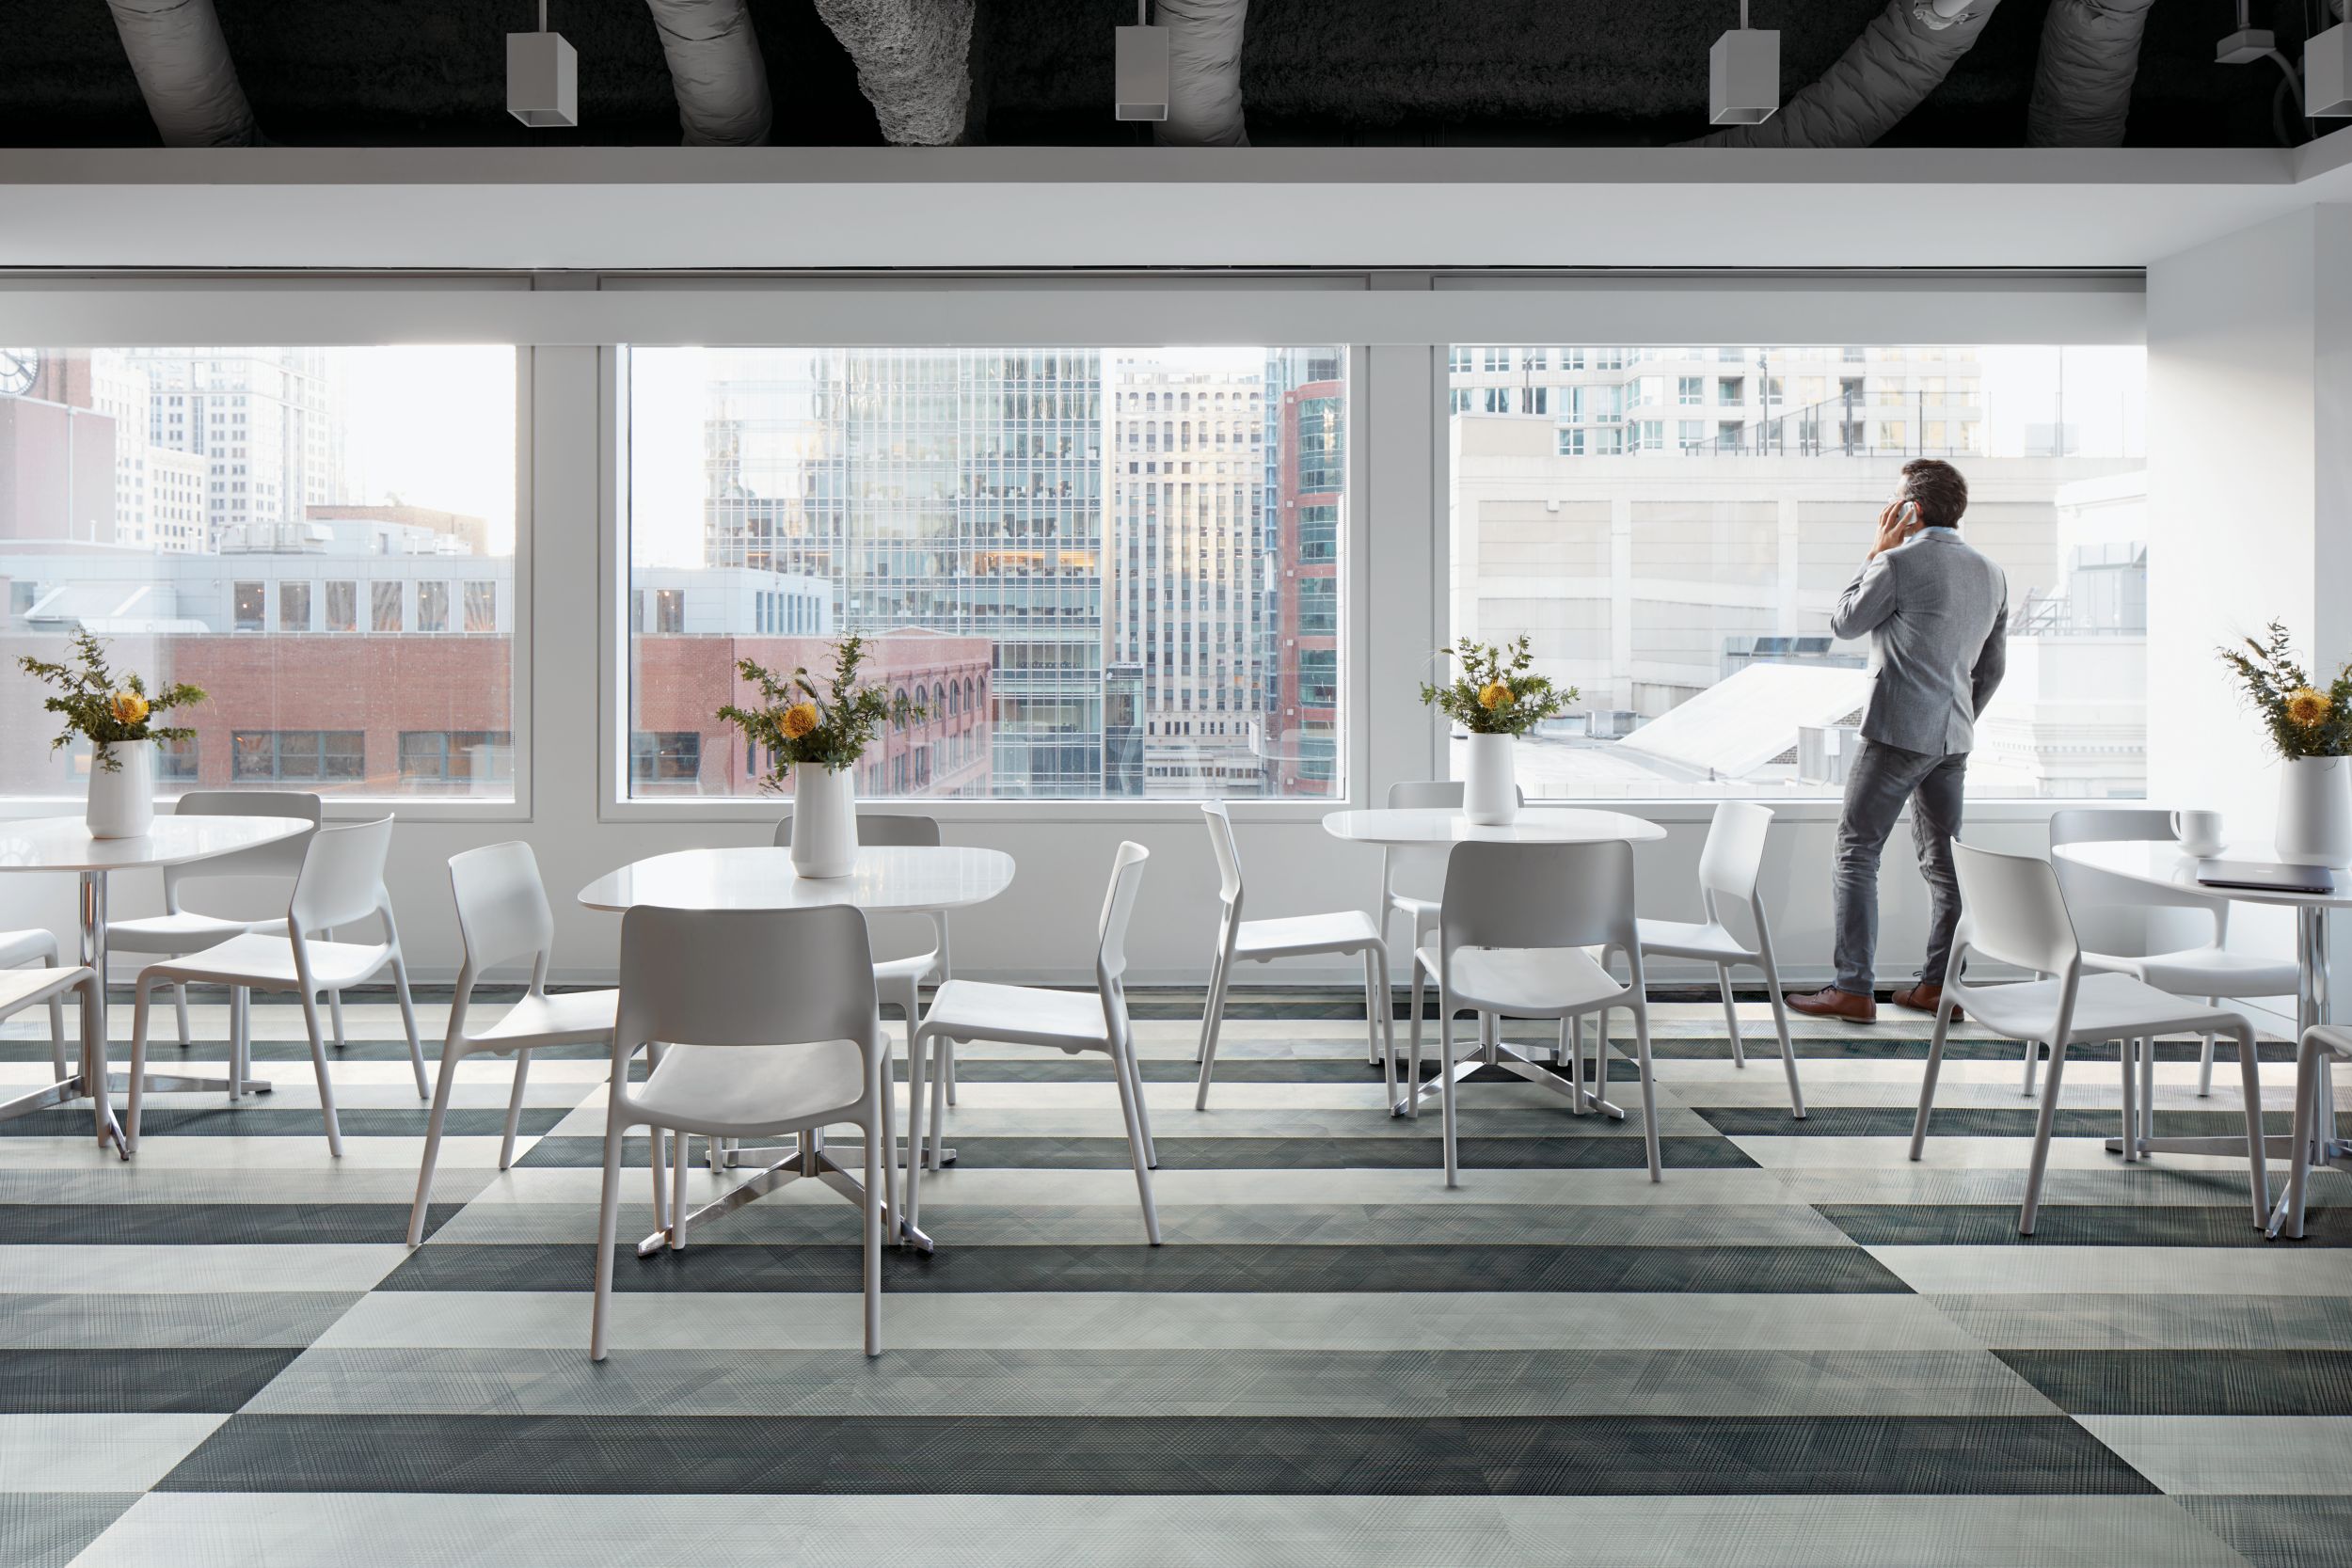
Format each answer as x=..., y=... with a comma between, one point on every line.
x=1420, y=908
x=1025, y=1015
x=739, y=1090
x=915, y=966
x=1341, y=931
x=25, y=947
x=2106, y=1007
x=2205, y=972
x=564, y=1017
x=266, y=962
x=1525, y=982
x=1676, y=939
x=23, y=986
x=186, y=932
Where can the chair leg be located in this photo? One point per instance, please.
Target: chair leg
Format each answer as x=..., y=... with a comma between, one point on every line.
x=888, y=1113
x=514, y=1107
x=1445, y=1085
x=1132, y=1107
x=138, y=1068
x=327, y=1082
x=2147, y=1093
x=2204, y=1058
x=407, y=1021
x=179, y=1005
x=2257, y=1162
x=1371, y=1013
x=939, y=1104
x=1571, y=1046
x=2040, y=1160
x=1649, y=1088
x=1926, y=1079
x=2127, y=1051
x=677, y=1191
x=1731, y=1017
x=947, y=1068
x=608, y=1228
x=660, y=1161
x=1412, y=1079
x=63, y=1069
x=1379, y=957
x=2033, y=1059
x=1143, y=1112
x=878, y=1156
x=1212, y=1024
x=1787, y=1046
x=240, y=1040
x=2307, y=1083
x=442, y=1086
x=335, y=1011
x=918, y=1068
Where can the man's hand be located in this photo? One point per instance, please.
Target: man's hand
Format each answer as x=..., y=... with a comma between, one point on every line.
x=1894, y=528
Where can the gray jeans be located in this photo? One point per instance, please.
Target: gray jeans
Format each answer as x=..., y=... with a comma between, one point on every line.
x=1881, y=779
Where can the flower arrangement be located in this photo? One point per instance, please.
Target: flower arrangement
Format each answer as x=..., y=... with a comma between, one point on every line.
x=2304, y=720
x=797, y=723
x=1494, y=694
x=105, y=709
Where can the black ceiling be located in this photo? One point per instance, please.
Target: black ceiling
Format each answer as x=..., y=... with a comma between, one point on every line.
x=430, y=73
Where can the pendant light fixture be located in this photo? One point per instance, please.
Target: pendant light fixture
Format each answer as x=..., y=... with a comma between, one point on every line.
x=1743, y=75
x=542, y=77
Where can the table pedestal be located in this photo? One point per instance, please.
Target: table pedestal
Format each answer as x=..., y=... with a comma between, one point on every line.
x=1492, y=1052
x=805, y=1157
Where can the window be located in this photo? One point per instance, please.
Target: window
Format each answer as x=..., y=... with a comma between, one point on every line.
x=1691, y=390
x=269, y=524
x=1060, y=588
x=456, y=756
x=1699, y=637
x=307, y=756
x=482, y=607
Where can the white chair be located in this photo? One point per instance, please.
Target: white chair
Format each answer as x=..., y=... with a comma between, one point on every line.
x=25, y=947
x=2012, y=912
x=1345, y=933
x=1512, y=935
x=181, y=930
x=1728, y=866
x=1412, y=876
x=2320, y=1041
x=1067, y=1020
x=21, y=988
x=898, y=980
x=502, y=915
x=340, y=883
x=769, y=1025
x=2123, y=937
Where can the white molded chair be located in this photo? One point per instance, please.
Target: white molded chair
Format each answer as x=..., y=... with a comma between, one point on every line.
x=502, y=915
x=21, y=988
x=2319, y=1041
x=1512, y=934
x=181, y=930
x=1067, y=1020
x=1344, y=933
x=341, y=883
x=2121, y=931
x=770, y=1028
x=1728, y=866
x=898, y=980
x=25, y=947
x=2013, y=911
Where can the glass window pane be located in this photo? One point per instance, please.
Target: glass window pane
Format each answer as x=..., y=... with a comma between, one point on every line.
x=343, y=606
x=482, y=607
x=384, y=602
x=432, y=607
x=294, y=607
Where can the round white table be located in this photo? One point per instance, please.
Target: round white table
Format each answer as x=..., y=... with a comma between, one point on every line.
x=2162, y=863
x=886, y=880
x=1432, y=826
x=63, y=843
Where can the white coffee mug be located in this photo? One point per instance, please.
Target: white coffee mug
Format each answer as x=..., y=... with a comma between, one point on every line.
x=2199, y=831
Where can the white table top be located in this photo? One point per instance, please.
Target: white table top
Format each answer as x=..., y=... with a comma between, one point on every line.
x=888, y=878
x=63, y=842
x=2165, y=864
x=1535, y=825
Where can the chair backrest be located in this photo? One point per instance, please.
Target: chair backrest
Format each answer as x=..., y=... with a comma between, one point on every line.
x=503, y=910
x=1228, y=857
x=745, y=977
x=1119, y=904
x=279, y=858
x=1418, y=871
x=881, y=829
x=342, y=876
x=1734, y=854
x=1538, y=895
x=2119, y=914
x=2013, y=911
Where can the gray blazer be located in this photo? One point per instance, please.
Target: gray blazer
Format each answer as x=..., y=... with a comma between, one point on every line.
x=1936, y=612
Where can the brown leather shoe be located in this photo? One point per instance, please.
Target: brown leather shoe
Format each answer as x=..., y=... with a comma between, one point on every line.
x=1923, y=998
x=1829, y=1001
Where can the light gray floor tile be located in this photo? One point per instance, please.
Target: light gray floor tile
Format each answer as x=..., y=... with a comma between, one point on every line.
x=204, y=1270
x=48, y=1529
x=2272, y=1271
x=96, y=1454
x=248, y=1319
x=2075, y=1319
x=2299, y=1455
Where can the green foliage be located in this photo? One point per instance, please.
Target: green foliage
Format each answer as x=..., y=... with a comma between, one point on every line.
x=1494, y=694
x=87, y=688
x=2303, y=720
x=795, y=722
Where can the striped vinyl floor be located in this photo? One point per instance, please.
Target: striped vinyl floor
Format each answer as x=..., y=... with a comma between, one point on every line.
x=1800, y=1349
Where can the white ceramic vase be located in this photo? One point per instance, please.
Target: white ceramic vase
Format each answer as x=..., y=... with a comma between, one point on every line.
x=1491, y=795
x=824, y=820
x=2315, y=812
x=122, y=798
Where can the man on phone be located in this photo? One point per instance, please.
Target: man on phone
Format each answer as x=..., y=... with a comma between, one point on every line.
x=1936, y=612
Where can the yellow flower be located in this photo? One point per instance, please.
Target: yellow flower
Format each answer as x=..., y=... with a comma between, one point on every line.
x=128, y=707
x=1494, y=695
x=799, y=720
x=2307, y=708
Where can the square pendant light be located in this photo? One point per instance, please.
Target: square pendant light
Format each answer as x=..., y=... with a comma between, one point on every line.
x=2328, y=74
x=1743, y=77
x=1142, y=73
x=542, y=80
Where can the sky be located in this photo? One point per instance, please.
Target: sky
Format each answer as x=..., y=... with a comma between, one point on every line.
x=435, y=426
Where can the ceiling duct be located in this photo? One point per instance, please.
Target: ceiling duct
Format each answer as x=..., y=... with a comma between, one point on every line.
x=185, y=72
x=1903, y=55
x=2082, y=82
x=1204, y=107
x=716, y=70
x=913, y=64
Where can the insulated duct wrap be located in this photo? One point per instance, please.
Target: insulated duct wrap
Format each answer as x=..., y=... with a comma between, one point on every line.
x=716, y=70
x=185, y=72
x=1204, y=107
x=2082, y=83
x=913, y=64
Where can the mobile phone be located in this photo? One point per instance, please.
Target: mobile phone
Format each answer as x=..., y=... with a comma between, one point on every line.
x=1908, y=514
